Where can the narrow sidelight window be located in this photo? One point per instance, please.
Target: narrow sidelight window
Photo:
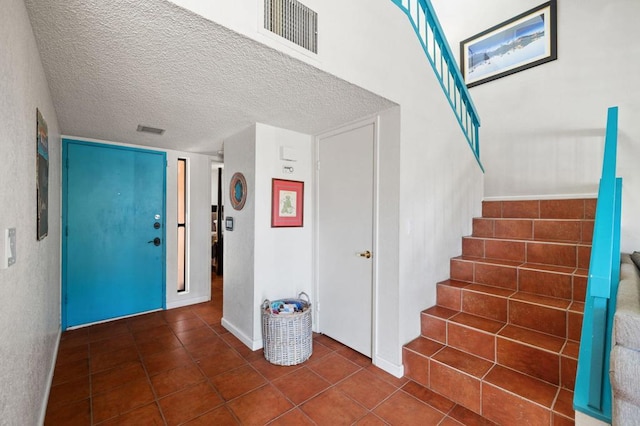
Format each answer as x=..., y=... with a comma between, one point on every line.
x=182, y=224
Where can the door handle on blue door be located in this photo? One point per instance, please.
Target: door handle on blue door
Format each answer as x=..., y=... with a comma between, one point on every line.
x=156, y=241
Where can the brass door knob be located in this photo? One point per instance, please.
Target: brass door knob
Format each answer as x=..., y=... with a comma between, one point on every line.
x=365, y=254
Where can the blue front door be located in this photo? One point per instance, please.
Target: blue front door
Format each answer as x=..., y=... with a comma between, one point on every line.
x=113, y=232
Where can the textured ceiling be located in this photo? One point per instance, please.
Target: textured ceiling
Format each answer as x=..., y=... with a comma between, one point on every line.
x=112, y=65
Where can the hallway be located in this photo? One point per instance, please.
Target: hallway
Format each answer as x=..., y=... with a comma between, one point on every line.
x=182, y=367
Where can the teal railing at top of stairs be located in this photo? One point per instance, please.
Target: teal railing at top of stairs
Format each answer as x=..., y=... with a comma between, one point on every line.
x=435, y=46
x=593, y=389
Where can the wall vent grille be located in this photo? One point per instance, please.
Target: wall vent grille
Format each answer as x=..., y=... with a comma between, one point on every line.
x=293, y=21
x=147, y=129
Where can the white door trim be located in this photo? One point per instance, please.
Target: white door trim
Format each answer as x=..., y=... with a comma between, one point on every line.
x=375, y=121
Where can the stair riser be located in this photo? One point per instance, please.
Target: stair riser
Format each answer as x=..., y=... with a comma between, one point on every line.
x=575, y=326
x=506, y=408
x=544, y=283
x=579, y=288
x=433, y=328
x=485, y=305
x=552, y=320
x=449, y=297
x=470, y=340
x=541, y=209
x=542, y=364
x=455, y=385
x=496, y=275
x=552, y=254
x=561, y=285
x=568, y=368
x=558, y=254
x=484, y=273
x=540, y=318
x=574, y=231
x=416, y=367
x=532, y=361
x=461, y=270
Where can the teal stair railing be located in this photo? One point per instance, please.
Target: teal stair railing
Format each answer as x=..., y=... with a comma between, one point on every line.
x=427, y=27
x=593, y=389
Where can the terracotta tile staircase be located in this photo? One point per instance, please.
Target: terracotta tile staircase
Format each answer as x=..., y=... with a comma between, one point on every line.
x=503, y=338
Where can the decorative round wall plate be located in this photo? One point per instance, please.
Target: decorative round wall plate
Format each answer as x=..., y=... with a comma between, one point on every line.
x=238, y=191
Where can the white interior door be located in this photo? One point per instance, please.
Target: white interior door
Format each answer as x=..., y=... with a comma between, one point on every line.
x=345, y=234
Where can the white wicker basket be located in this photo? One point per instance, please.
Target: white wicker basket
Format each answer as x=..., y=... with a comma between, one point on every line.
x=287, y=338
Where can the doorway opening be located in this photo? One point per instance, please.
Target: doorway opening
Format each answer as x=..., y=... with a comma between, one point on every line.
x=217, y=218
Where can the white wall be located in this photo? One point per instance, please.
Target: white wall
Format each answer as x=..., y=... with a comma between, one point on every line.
x=239, y=309
x=198, y=223
x=433, y=178
x=262, y=262
x=30, y=305
x=283, y=256
x=387, y=245
x=542, y=129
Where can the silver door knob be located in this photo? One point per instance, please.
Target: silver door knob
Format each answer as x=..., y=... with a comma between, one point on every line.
x=365, y=254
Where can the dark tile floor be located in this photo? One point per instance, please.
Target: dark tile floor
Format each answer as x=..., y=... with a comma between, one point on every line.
x=182, y=367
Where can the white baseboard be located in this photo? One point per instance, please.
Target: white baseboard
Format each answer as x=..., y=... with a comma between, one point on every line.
x=254, y=345
x=391, y=368
x=585, y=420
x=52, y=368
x=186, y=302
x=539, y=197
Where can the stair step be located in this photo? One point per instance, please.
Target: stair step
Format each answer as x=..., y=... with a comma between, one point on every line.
x=574, y=318
x=486, y=301
x=495, y=392
x=564, y=230
x=563, y=413
x=458, y=376
x=512, y=398
x=415, y=358
x=541, y=209
x=550, y=315
x=531, y=360
x=555, y=358
x=495, y=341
x=533, y=338
x=574, y=255
x=503, y=339
x=433, y=323
x=474, y=335
x=545, y=314
x=569, y=364
x=448, y=293
x=494, y=272
x=546, y=280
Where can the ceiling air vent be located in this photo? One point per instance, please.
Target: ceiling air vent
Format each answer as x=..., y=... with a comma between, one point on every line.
x=292, y=20
x=148, y=129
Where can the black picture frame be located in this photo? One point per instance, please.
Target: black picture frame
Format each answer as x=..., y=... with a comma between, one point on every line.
x=520, y=43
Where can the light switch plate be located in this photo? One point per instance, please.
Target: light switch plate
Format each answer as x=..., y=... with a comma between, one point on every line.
x=9, y=248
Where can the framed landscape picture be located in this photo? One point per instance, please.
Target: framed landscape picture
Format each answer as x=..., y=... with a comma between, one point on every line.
x=522, y=42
